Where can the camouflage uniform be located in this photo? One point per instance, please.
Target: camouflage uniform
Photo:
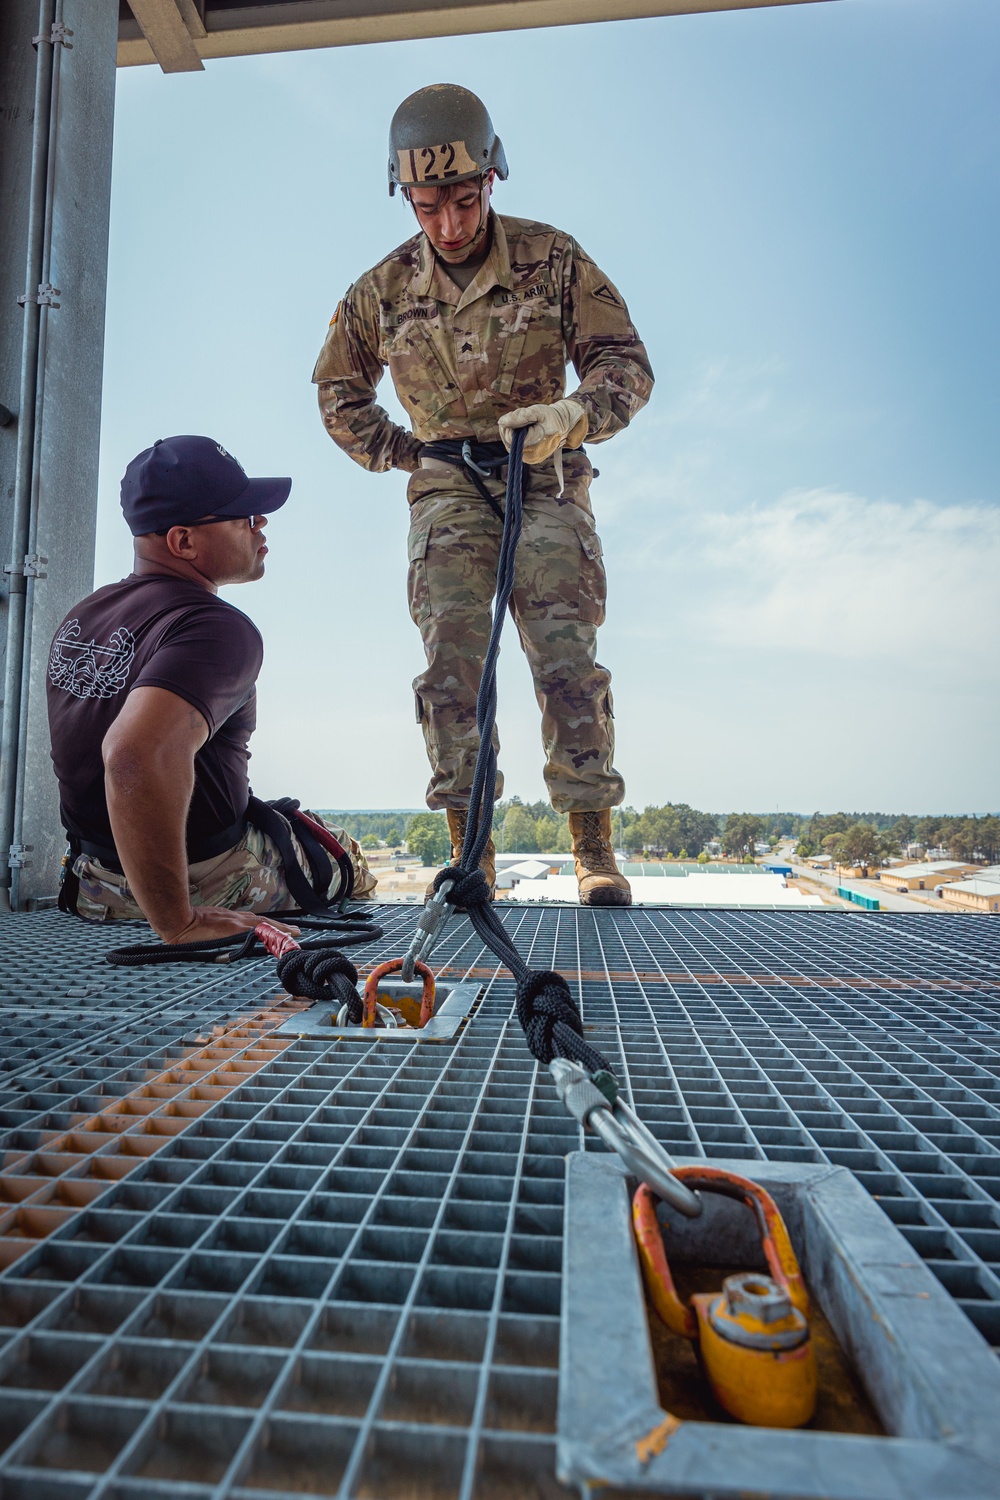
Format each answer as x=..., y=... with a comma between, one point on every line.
x=249, y=877
x=459, y=361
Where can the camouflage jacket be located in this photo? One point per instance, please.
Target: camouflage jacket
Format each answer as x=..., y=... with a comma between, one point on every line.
x=460, y=359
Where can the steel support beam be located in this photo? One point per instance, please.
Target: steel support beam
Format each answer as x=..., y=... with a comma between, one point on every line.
x=293, y=25
x=165, y=25
x=55, y=142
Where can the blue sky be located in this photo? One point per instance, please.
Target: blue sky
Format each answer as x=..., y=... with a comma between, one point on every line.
x=802, y=530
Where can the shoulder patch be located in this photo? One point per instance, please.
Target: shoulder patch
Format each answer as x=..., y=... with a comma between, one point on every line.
x=604, y=294
x=340, y=306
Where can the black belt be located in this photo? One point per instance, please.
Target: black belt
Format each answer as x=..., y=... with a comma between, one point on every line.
x=220, y=843
x=480, y=461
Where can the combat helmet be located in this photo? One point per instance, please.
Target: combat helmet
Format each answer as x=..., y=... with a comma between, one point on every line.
x=441, y=135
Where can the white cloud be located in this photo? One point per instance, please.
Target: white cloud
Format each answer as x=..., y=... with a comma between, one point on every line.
x=734, y=631
x=839, y=575
x=817, y=571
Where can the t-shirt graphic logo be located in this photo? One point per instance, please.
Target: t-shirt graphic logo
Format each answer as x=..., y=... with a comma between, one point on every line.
x=86, y=669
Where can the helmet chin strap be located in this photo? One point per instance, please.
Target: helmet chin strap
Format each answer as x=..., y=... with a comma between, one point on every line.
x=480, y=234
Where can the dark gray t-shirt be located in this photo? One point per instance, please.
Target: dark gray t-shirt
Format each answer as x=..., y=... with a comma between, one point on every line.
x=153, y=631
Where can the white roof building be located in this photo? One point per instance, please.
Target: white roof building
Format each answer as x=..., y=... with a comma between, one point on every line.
x=760, y=890
x=975, y=894
x=924, y=869
x=526, y=869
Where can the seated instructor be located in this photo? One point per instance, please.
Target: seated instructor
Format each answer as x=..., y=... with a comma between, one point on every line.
x=152, y=701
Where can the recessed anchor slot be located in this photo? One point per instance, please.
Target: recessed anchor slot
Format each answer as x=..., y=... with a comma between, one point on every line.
x=906, y=1391
x=398, y=1014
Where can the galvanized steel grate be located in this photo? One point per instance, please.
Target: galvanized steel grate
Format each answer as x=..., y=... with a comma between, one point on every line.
x=342, y=1274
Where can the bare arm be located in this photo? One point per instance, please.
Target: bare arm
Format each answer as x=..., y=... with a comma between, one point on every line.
x=149, y=756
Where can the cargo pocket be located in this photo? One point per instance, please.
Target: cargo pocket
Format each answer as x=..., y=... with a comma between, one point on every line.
x=416, y=579
x=593, y=579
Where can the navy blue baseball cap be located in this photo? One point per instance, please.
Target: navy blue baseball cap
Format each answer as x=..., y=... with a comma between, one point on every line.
x=181, y=480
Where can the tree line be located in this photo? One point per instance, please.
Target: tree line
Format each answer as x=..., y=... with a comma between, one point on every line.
x=883, y=836
x=678, y=831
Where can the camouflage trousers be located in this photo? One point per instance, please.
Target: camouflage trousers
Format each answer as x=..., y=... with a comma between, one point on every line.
x=249, y=877
x=557, y=604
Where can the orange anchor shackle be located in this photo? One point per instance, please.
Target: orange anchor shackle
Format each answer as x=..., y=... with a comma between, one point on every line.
x=393, y=966
x=753, y=1339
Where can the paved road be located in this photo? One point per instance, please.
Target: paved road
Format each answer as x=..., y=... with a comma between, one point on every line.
x=887, y=900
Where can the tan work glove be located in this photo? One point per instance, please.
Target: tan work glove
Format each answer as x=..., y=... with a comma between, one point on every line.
x=550, y=428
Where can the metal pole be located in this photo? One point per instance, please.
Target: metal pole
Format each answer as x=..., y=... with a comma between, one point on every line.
x=17, y=582
x=36, y=467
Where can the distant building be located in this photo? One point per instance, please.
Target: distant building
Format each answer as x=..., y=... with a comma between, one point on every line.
x=973, y=895
x=751, y=889
x=923, y=877
x=526, y=869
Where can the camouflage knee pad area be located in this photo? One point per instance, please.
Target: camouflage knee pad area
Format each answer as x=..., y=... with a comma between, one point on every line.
x=248, y=877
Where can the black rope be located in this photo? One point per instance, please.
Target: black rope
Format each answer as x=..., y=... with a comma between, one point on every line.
x=317, y=970
x=546, y=1008
x=472, y=458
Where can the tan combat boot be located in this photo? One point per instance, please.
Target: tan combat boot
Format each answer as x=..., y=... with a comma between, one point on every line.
x=601, y=882
x=457, y=820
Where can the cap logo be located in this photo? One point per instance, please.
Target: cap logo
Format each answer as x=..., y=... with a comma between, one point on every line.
x=225, y=454
x=435, y=164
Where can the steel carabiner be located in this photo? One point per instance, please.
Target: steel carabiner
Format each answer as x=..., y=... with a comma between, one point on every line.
x=429, y=924
x=621, y=1129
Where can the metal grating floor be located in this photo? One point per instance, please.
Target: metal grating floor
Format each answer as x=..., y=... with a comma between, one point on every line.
x=241, y=1265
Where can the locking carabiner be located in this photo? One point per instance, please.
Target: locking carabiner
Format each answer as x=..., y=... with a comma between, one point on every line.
x=429, y=924
x=621, y=1129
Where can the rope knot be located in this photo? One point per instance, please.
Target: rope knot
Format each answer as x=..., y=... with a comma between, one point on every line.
x=325, y=976
x=471, y=888
x=545, y=1003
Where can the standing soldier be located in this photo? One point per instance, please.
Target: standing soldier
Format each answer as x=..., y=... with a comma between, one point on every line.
x=476, y=318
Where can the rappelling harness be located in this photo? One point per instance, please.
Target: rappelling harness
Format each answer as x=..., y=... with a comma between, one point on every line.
x=278, y=820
